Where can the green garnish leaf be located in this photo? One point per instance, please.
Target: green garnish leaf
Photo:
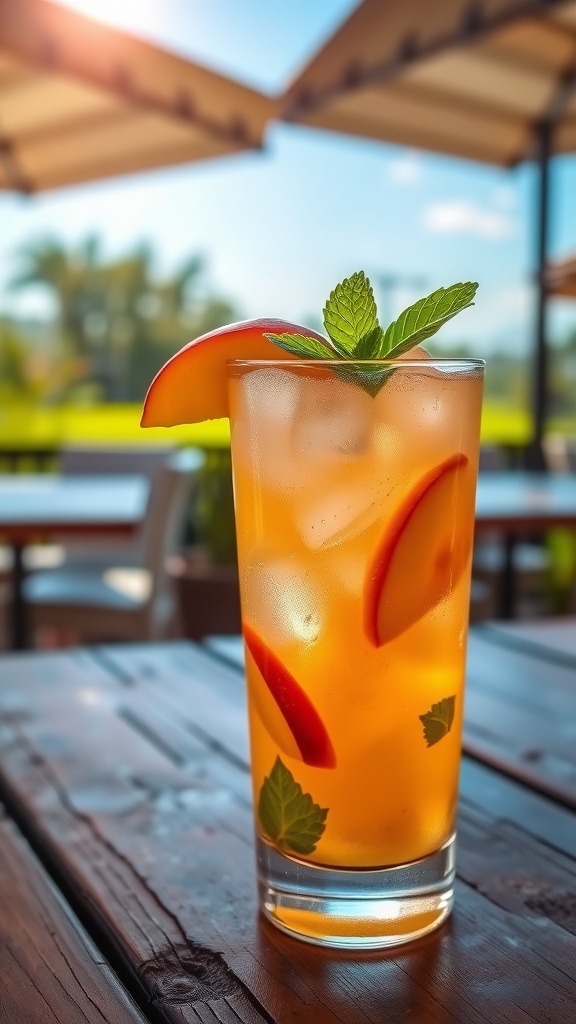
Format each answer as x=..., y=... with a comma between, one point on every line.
x=350, y=316
x=288, y=816
x=438, y=721
x=302, y=346
x=425, y=317
x=370, y=346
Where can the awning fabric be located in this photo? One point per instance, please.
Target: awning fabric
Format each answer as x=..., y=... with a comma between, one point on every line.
x=469, y=79
x=80, y=101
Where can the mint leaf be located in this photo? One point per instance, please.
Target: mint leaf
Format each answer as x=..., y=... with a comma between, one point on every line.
x=425, y=317
x=369, y=347
x=438, y=721
x=302, y=346
x=350, y=316
x=288, y=816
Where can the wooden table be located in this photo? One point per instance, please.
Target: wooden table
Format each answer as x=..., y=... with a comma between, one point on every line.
x=556, y=636
x=40, y=507
x=520, y=504
x=126, y=859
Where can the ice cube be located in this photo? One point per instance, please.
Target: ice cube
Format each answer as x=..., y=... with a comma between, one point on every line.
x=343, y=504
x=425, y=408
x=338, y=513
x=333, y=420
x=295, y=427
x=271, y=395
x=346, y=570
x=281, y=601
x=263, y=438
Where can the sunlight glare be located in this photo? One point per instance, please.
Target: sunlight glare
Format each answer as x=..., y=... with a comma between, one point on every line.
x=126, y=14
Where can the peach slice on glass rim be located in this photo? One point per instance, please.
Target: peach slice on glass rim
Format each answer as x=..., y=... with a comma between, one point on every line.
x=422, y=554
x=191, y=387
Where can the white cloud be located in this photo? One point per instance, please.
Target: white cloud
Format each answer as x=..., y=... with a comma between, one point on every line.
x=466, y=217
x=406, y=170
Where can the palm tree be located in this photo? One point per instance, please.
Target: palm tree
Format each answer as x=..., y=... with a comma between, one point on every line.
x=70, y=277
x=116, y=319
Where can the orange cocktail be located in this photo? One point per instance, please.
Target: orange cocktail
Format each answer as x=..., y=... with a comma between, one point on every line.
x=354, y=458
x=355, y=519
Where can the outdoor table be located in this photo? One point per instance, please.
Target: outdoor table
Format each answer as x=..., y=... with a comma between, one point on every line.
x=40, y=507
x=126, y=855
x=519, y=504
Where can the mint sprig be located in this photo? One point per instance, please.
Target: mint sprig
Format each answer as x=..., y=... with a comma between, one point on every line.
x=287, y=815
x=438, y=721
x=355, y=333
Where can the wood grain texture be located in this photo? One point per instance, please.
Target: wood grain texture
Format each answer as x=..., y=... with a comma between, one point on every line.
x=130, y=774
x=520, y=714
x=49, y=969
x=550, y=639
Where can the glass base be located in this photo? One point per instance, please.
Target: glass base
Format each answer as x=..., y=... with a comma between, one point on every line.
x=356, y=909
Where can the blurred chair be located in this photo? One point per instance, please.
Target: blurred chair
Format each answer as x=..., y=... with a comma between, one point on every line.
x=109, y=460
x=115, y=601
x=531, y=560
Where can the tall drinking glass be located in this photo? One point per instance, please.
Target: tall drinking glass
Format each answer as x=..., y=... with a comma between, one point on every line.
x=354, y=491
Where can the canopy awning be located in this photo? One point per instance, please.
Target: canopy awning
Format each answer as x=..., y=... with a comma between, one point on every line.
x=80, y=101
x=467, y=79
x=487, y=80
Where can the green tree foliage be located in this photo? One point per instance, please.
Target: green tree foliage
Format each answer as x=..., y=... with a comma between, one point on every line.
x=117, y=320
x=14, y=376
x=25, y=377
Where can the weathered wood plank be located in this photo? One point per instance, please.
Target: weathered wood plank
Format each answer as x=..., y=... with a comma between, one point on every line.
x=517, y=677
x=509, y=800
x=49, y=968
x=520, y=715
x=172, y=672
x=551, y=639
x=229, y=649
x=165, y=869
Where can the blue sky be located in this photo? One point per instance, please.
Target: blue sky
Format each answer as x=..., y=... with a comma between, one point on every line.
x=279, y=229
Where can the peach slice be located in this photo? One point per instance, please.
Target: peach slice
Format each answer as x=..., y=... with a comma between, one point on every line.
x=423, y=553
x=304, y=722
x=191, y=386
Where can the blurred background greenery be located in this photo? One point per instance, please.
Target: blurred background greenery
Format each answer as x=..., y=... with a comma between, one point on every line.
x=80, y=375
x=115, y=322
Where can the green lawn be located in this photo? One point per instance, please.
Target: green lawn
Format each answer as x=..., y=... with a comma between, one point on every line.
x=46, y=428
x=35, y=427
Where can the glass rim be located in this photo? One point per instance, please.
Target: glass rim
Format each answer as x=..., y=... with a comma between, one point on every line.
x=444, y=361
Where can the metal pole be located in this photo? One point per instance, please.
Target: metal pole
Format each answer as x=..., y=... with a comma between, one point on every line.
x=541, y=355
